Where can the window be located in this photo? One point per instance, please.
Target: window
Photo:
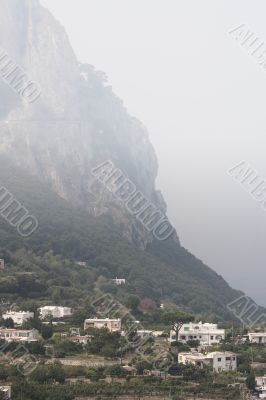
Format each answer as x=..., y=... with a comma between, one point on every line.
x=211, y=337
x=183, y=337
x=228, y=358
x=219, y=359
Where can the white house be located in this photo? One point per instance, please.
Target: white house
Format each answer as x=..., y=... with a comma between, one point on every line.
x=18, y=317
x=81, y=263
x=6, y=390
x=55, y=311
x=81, y=339
x=223, y=361
x=143, y=333
x=194, y=358
x=19, y=335
x=257, y=337
x=207, y=334
x=119, y=281
x=261, y=386
x=219, y=361
x=113, y=325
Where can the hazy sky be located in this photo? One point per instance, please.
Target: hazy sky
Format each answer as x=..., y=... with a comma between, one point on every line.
x=202, y=98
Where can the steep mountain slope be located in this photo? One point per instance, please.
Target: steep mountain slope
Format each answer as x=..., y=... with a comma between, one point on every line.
x=76, y=124
x=166, y=272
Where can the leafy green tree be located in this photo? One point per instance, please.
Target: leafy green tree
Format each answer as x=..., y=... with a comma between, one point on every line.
x=8, y=323
x=193, y=343
x=115, y=370
x=39, y=374
x=56, y=373
x=3, y=373
x=251, y=381
x=141, y=366
x=33, y=323
x=132, y=302
x=104, y=343
x=47, y=331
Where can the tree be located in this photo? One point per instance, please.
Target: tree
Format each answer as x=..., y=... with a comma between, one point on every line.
x=177, y=319
x=47, y=331
x=193, y=343
x=56, y=373
x=8, y=323
x=142, y=365
x=147, y=306
x=3, y=373
x=251, y=381
x=132, y=302
x=115, y=370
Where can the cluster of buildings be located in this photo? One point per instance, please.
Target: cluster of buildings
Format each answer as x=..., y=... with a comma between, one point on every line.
x=20, y=317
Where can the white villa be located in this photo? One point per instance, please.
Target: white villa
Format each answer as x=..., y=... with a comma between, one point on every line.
x=144, y=332
x=19, y=335
x=219, y=361
x=207, y=334
x=18, y=317
x=197, y=359
x=6, y=390
x=55, y=311
x=119, y=281
x=261, y=386
x=223, y=361
x=257, y=337
x=113, y=325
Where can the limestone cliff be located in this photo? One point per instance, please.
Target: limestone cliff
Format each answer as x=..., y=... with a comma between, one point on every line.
x=75, y=124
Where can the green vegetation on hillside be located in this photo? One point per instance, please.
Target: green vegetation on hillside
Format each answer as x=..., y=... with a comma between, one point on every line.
x=165, y=272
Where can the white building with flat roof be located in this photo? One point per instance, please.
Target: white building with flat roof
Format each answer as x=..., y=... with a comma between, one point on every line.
x=55, y=311
x=6, y=390
x=194, y=358
x=257, y=337
x=219, y=361
x=113, y=325
x=223, y=361
x=119, y=281
x=207, y=334
x=261, y=386
x=18, y=317
x=19, y=335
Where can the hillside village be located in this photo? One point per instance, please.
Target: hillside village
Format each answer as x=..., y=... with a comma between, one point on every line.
x=184, y=355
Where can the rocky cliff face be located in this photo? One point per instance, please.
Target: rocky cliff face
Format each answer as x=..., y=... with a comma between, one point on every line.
x=76, y=123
